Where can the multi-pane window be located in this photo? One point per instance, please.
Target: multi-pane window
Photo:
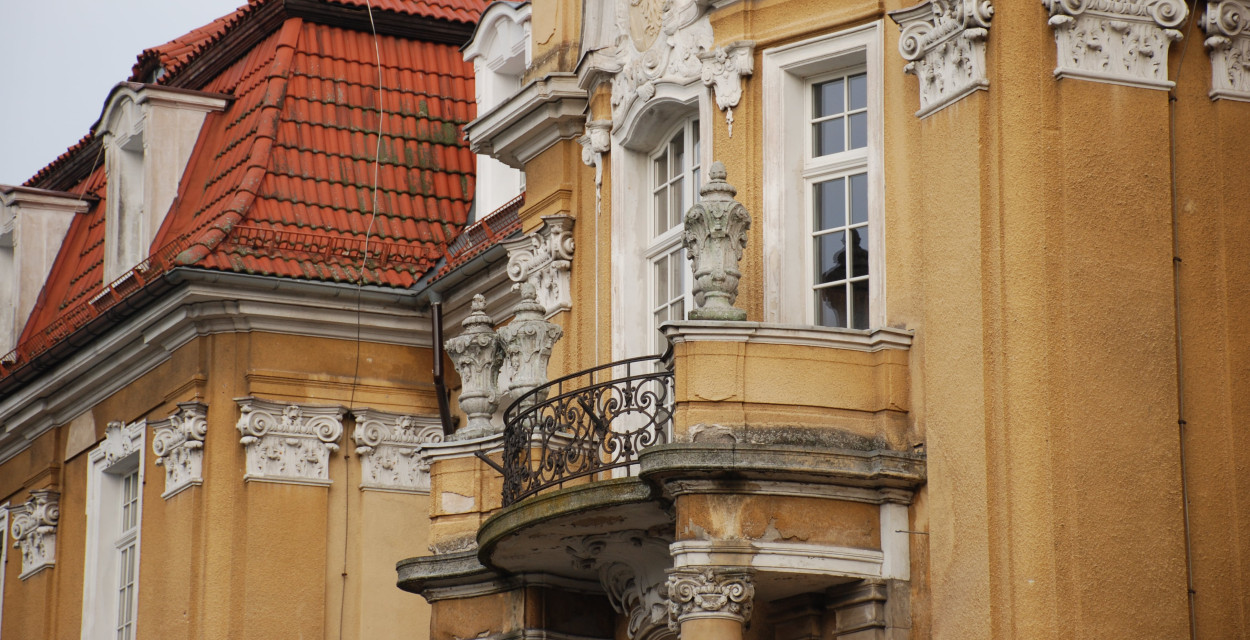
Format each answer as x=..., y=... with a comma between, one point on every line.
x=836, y=170
x=674, y=187
x=127, y=555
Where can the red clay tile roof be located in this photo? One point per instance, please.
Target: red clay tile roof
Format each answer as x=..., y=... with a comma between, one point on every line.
x=280, y=183
x=482, y=235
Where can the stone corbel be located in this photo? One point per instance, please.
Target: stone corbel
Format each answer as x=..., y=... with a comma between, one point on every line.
x=34, y=530
x=1116, y=41
x=1227, y=24
x=178, y=442
x=707, y=592
x=391, y=450
x=859, y=608
x=595, y=143
x=723, y=71
x=543, y=259
x=631, y=566
x=943, y=42
x=289, y=443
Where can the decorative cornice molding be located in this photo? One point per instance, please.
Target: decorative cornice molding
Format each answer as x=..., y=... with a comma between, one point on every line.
x=706, y=592
x=1116, y=41
x=723, y=70
x=34, y=530
x=1227, y=24
x=289, y=443
x=391, y=449
x=178, y=442
x=542, y=113
x=543, y=258
x=943, y=42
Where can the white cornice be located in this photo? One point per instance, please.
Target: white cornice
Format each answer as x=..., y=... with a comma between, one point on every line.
x=206, y=303
x=42, y=199
x=542, y=113
x=769, y=333
x=779, y=557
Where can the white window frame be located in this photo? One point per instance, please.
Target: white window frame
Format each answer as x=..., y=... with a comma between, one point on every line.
x=4, y=556
x=666, y=243
x=634, y=142
x=789, y=172
x=104, y=489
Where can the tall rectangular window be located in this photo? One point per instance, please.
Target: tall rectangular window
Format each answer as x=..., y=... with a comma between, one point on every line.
x=823, y=188
x=114, y=519
x=675, y=186
x=128, y=556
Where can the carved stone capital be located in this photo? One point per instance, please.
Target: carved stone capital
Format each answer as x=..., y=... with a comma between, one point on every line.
x=706, y=592
x=178, y=442
x=715, y=235
x=943, y=42
x=543, y=259
x=723, y=70
x=631, y=566
x=120, y=440
x=34, y=530
x=477, y=356
x=1116, y=41
x=391, y=450
x=289, y=443
x=1227, y=24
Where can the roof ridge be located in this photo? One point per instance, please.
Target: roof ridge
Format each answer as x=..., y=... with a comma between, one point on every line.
x=260, y=153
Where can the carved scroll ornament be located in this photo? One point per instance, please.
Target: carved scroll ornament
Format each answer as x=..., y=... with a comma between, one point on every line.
x=1227, y=24
x=1116, y=41
x=944, y=44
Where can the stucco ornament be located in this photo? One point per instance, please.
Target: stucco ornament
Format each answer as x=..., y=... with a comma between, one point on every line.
x=288, y=443
x=723, y=70
x=1227, y=24
x=595, y=143
x=631, y=566
x=705, y=592
x=477, y=355
x=1116, y=41
x=543, y=258
x=715, y=236
x=527, y=343
x=943, y=42
x=391, y=450
x=178, y=442
x=670, y=41
x=34, y=530
x=117, y=443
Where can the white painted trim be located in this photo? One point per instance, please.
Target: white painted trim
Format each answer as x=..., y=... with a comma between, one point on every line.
x=895, y=541
x=802, y=335
x=99, y=604
x=453, y=449
x=209, y=303
x=4, y=557
x=785, y=69
x=676, y=488
x=779, y=557
x=541, y=114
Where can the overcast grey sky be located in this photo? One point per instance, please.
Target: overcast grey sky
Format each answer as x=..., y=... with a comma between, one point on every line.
x=59, y=58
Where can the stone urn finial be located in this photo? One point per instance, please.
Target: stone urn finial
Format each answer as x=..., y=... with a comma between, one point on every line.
x=527, y=343
x=715, y=235
x=477, y=355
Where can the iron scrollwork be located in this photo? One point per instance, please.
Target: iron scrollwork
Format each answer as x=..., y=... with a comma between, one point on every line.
x=585, y=423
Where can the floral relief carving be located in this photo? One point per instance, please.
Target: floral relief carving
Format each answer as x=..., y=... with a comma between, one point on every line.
x=943, y=42
x=705, y=592
x=288, y=443
x=178, y=442
x=1116, y=41
x=34, y=530
x=723, y=70
x=1227, y=24
x=119, y=441
x=543, y=259
x=527, y=343
x=391, y=450
x=715, y=236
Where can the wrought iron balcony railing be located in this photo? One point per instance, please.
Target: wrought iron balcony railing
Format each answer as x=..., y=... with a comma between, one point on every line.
x=585, y=423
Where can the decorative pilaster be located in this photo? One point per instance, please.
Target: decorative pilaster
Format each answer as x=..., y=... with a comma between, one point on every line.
x=178, y=442
x=391, y=450
x=715, y=236
x=943, y=42
x=695, y=592
x=289, y=443
x=1227, y=24
x=1116, y=41
x=34, y=530
x=543, y=259
x=595, y=143
x=723, y=71
x=527, y=343
x=477, y=355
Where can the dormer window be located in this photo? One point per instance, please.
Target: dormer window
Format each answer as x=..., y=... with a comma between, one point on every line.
x=500, y=53
x=148, y=134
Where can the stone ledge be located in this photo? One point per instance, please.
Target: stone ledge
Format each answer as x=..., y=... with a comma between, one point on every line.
x=792, y=334
x=875, y=469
